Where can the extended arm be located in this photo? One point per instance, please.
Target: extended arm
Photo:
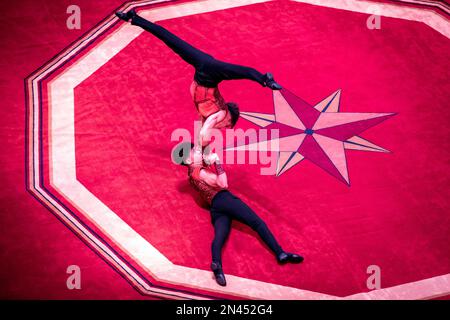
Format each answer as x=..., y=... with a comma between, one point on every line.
x=210, y=123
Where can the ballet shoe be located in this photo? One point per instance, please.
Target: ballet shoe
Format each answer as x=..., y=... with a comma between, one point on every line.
x=286, y=257
x=126, y=16
x=271, y=83
x=216, y=267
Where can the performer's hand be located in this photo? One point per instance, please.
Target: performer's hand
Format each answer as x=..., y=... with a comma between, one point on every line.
x=197, y=155
x=222, y=180
x=210, y=158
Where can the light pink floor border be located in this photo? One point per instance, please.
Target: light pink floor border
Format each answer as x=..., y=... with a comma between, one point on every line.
x=63, y=178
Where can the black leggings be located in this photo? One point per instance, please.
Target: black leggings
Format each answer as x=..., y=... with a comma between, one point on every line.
x=224, y=208
x=208, y=71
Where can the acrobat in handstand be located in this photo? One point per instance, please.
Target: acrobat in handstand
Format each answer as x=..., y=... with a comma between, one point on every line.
x=209, y=72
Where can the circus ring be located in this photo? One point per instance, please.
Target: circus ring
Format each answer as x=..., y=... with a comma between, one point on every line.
x=97, y=162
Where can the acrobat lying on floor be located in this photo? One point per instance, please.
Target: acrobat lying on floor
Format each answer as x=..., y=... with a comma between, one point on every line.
x=210, y=180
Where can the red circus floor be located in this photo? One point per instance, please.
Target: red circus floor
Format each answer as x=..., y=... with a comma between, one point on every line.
x=394, y=214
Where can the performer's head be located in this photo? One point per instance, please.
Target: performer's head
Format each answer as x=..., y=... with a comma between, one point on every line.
x=182, y=153
x=233, y=112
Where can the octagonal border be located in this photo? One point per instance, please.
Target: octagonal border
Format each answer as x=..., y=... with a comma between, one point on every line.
x=63, y=175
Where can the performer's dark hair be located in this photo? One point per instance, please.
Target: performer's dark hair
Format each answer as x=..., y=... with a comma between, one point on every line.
x=180, y=153
x=234, y=112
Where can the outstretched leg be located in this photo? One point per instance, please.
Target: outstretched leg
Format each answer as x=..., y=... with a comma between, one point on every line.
x=222, y=227
x=229, y=71
x=242, y=212
x=236, y=208
x=187, y=52
x=220, y=70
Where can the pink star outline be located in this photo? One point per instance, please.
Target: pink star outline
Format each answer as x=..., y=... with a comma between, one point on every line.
x=319, y=133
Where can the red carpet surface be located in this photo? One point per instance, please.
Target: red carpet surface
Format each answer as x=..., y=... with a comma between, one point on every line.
x=394, y=214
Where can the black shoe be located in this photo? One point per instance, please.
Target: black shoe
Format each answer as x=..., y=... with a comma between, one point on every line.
x=126, y=16
x=286, y=257
x=216, y=267
x=271, y=83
